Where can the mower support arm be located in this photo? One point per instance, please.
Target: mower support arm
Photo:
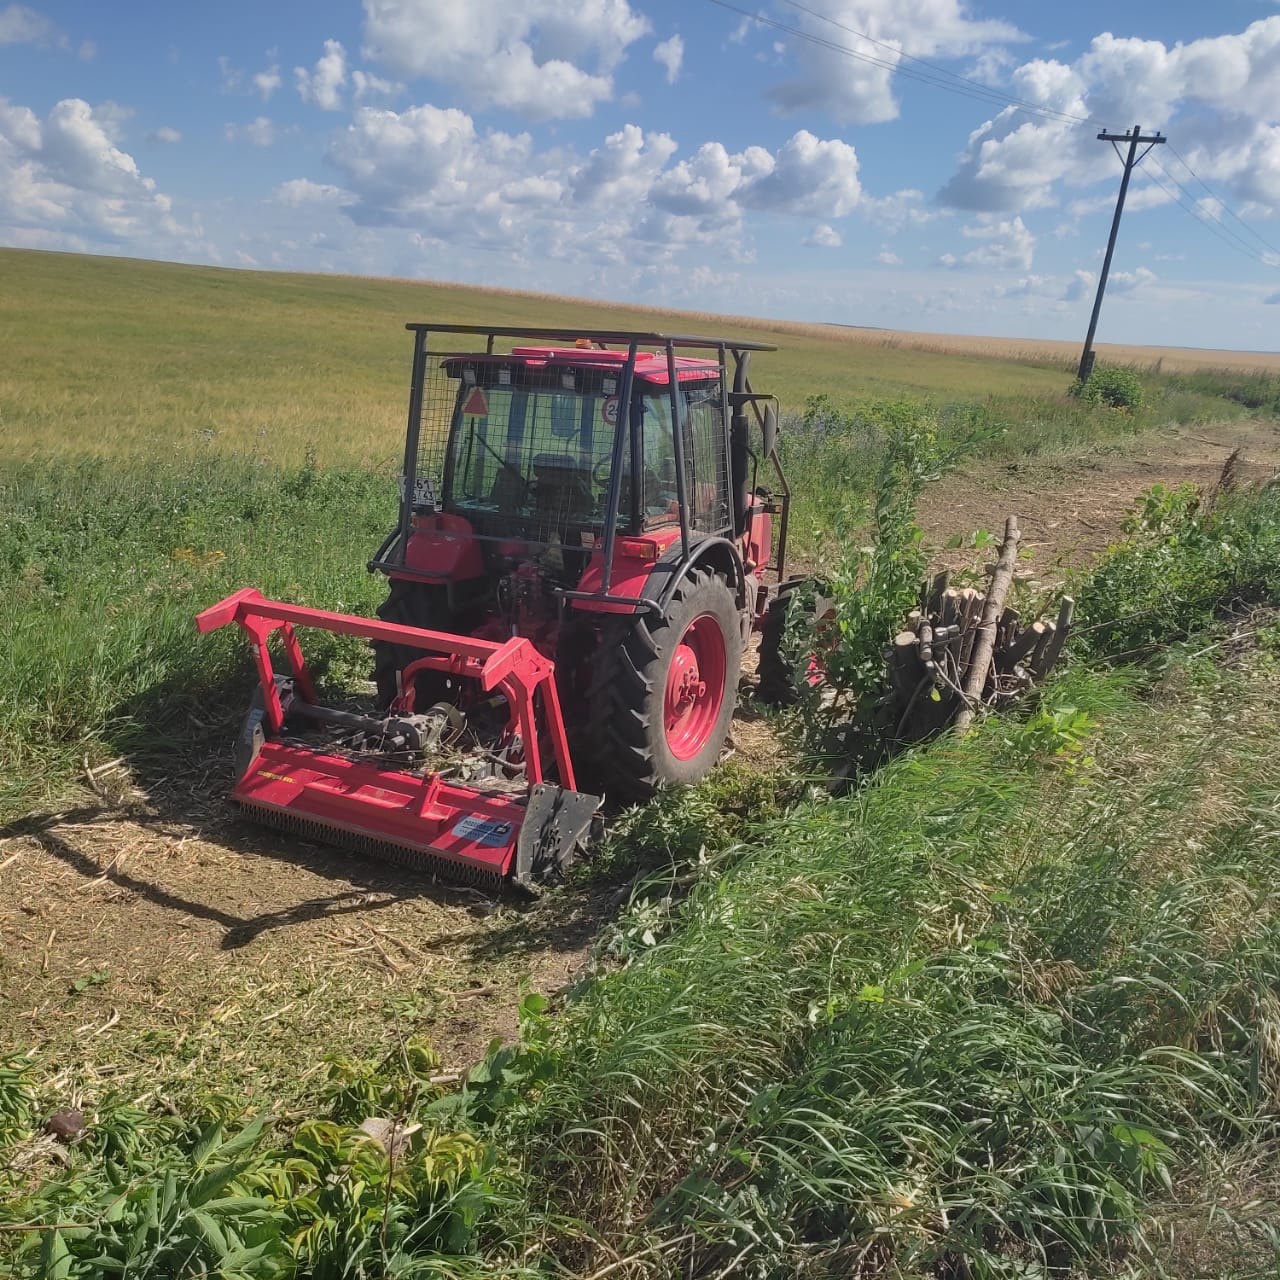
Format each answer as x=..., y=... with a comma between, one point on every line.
x=513, y=666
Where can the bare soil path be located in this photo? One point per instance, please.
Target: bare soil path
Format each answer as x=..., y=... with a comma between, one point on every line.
x=153, y=937
x=1072, y=508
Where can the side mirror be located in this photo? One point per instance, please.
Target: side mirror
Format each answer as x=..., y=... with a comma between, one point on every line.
x=769, y=430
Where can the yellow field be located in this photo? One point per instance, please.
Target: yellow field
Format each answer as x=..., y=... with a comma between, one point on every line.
x=124, y=358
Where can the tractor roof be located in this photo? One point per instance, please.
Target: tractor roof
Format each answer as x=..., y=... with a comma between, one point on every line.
x=651, y=366
x=616, y=337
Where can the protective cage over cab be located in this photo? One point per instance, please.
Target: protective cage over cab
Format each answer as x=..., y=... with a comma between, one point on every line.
x=510, y=451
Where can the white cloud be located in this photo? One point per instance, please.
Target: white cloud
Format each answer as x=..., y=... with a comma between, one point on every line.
x=302, y=191
x=886, y=257
x=992, y=67
x=546, y=59
x=1223, y=89
x=261, y=132
x=670, y=55
x=856, y=91
x=263, y=83
x=367, y=85
x=164, y=134
x=64, y=183
x=1080, y=286
x=322, y=86
x=622, y=169
x=1150, y=196
x=1003, y=245
x=20, y=25
x=432, y=170
x=268, y=81
x=900, y=210
x=823, y=236
x=809, y=176
x=1128, y=282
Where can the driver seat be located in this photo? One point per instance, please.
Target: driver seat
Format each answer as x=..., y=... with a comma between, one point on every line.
x=562, y=488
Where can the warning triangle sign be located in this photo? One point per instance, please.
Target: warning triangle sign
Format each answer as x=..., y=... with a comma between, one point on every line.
x=476, y=406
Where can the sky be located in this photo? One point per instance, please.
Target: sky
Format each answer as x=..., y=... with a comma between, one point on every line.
x=916, y=164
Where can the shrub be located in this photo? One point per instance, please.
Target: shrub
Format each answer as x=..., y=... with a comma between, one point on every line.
x=874, y=580
x=1116, y=388
x=1184, y=561
x=225, y=1196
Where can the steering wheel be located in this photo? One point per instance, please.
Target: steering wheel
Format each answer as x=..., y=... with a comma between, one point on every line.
x=600, y=472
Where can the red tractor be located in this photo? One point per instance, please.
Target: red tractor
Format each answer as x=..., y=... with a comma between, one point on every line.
x=580, y=557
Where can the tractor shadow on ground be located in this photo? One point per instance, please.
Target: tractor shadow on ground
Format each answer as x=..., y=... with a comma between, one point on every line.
x=192, y=806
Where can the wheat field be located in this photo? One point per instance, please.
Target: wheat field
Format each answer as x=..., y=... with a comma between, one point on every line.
x=121, y=358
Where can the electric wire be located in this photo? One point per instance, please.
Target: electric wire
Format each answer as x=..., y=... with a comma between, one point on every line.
x=1226, y=207
x=1232, y=241
x=929, y=73
x=1209, y=220
x=934, y=68
x=969, y=88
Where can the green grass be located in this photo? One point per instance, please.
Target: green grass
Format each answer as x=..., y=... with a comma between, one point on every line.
x=125, y=358
x=986, y=1008
x=981, y=1014
x=105, y=569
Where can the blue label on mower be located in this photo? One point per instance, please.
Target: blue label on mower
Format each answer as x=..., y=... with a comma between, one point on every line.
x=486, y=831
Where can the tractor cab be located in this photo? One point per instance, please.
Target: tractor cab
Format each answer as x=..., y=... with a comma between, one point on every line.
x=573, y=456
x=611, y=498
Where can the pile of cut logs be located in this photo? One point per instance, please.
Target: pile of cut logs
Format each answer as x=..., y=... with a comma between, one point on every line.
x=963, y=649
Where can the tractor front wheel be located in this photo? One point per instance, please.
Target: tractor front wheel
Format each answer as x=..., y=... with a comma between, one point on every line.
x=412, y=604
x=663, y=690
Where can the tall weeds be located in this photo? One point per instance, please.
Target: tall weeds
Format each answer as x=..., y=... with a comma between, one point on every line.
x=105, y=567
x=972, y=1017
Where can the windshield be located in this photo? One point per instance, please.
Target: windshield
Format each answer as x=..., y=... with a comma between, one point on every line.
x=538, y=457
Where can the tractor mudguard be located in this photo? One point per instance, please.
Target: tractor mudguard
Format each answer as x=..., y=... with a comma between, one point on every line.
x=658, y=580
x=440, y=548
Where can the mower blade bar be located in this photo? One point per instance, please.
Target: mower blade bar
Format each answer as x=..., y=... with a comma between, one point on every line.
x=375, y=847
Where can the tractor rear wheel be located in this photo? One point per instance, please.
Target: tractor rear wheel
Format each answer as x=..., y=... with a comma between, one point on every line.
x=663, y=690
x=412, y=604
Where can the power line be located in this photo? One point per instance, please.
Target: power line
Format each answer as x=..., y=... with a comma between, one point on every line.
x=925, y=72
x=1224, y=233
x=1247, y=226
x=933, y=67
x=969, y=88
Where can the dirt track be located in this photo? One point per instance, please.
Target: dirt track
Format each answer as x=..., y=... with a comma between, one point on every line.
x=163, y=939
x=1071, y=509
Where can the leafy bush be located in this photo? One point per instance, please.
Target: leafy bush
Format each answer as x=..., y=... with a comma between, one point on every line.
x=874, y=584
x=163, y=1197
x=1116, y=388
x=1184, y=561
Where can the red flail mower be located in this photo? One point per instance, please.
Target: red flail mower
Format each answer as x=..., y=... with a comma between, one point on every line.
x=584, y=547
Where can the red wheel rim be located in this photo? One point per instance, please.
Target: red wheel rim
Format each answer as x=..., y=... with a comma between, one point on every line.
x=695, y=687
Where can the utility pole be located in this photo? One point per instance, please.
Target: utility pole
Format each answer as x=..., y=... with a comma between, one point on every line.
x=1130, y=162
